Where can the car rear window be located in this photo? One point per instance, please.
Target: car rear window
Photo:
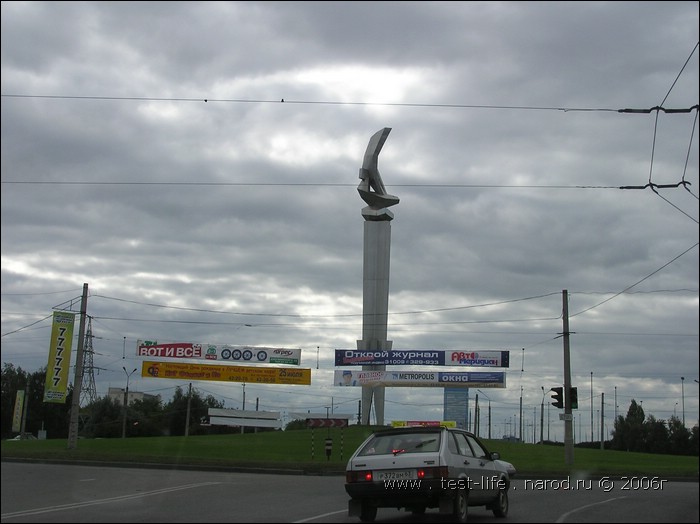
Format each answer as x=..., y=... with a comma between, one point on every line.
x=397, y=443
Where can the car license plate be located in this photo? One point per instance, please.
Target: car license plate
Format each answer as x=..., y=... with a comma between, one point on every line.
x=396, y=474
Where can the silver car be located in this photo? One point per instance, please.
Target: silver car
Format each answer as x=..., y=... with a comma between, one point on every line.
x=416, y=468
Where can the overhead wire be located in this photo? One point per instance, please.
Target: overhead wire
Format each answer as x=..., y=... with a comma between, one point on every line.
x=654, y=187
x=289, y=101
x=658, y=109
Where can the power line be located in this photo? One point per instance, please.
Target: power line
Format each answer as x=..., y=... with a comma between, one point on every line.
x=651, y=185
x=302, y=184
x=355, y=315
x=638, y=282
x=673, y=84
x=338, y=103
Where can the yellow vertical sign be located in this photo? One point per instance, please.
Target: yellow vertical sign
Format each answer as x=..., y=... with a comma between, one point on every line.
x=55, y=388
x=17, y=414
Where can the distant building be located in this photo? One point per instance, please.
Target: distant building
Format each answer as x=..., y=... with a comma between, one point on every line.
x=118, y=395
x=456, y=406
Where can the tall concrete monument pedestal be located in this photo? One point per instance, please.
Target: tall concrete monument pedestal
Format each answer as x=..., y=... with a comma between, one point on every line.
x=375, y=273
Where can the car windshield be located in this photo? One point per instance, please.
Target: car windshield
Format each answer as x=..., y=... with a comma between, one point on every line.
x=396, y=443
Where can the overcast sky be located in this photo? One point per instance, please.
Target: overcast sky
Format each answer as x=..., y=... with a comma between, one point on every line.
x=196, y=164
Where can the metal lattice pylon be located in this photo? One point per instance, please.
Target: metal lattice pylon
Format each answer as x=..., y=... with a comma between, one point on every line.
x=88, y=391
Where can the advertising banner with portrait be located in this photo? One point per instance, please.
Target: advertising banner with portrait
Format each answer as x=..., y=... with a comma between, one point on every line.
x=422, y=357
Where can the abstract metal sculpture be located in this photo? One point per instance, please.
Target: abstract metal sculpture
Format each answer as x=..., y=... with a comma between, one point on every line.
x=375, y=273
x=369, y=173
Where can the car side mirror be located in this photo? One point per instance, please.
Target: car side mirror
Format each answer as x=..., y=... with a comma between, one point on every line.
x=495, y=455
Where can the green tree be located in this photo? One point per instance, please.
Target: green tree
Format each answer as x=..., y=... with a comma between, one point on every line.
x=694, y=441
x=679, y=438
x=175, y=412
x=619, y=434
x=145, y=418
x=635, y=426
x=635, y=433
x=13, y=380
x=51, y=417
x=655, y=435
x=105, y=418
x=628, y=434
x=296, y=424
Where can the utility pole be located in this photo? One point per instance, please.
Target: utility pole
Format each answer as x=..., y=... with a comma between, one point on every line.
x=489, y=419
x=592, y=407
x=542, y=418
x=568, y=416
x=73, y=424
x=243, y=427
x=189, y=402
x=489, y=399
x=520, y=426
x=683, y=400
x=602, y=421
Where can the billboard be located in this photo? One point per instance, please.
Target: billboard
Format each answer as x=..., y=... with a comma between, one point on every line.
x=226, y=373
x=422, y=357
x=17, y=413
x=59, y=357
x=423, y=423
x=219, y=352
x=240, y=418
x=469, y=379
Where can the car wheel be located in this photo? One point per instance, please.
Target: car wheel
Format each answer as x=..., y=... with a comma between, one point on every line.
x=368, y=513
x=500, y=506
x=461, y=506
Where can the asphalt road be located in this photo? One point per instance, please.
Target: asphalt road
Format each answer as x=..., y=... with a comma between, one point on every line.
x=72, y=493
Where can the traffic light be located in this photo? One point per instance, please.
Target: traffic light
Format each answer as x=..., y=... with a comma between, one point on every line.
x=558, y=397
x=573, y=396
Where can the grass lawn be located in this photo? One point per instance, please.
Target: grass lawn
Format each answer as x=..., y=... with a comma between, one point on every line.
x=304, y=450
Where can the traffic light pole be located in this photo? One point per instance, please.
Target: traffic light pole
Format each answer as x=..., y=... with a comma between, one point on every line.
x=568, y=416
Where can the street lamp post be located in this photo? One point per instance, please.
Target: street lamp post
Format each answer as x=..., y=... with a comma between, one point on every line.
x=487, y=398
x=520, y=432
x=126, y=399
x=542, y=417
x=592, y=406
x=683, y=400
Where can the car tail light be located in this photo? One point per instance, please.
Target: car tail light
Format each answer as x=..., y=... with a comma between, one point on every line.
x=421, y=473
x=358, y=476
x=432, y=473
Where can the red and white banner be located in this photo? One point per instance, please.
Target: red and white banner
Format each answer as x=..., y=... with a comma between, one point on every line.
x=219, y=353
